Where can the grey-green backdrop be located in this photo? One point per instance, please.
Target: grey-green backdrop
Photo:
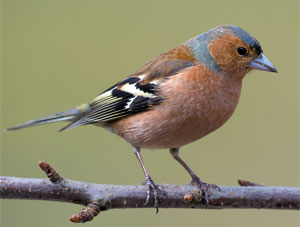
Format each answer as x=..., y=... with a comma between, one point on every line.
x=60, y=53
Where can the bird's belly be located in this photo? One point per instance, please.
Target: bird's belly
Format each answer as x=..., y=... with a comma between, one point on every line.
x=156, y=131
x=182, y=117
x=163, y=128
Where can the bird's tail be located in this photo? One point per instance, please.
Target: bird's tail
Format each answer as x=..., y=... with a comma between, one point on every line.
x=68, y=115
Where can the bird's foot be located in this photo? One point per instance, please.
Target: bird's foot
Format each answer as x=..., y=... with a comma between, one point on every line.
x=204, y=187
x=155, y=189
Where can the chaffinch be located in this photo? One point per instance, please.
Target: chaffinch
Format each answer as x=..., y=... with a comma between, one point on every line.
x=176, y=98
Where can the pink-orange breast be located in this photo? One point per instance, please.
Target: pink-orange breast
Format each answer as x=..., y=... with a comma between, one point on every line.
x=196, y=102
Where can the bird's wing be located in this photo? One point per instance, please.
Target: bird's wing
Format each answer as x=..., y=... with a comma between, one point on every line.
x=135, y=94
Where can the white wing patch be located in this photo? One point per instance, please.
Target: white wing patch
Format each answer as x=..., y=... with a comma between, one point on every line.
x=132, y=89
x=129, y=103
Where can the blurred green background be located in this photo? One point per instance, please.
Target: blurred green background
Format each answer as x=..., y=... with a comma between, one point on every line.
x=60, y=53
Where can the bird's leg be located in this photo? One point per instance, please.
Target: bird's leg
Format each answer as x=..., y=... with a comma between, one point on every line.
x=195, y=179
x=148, y=181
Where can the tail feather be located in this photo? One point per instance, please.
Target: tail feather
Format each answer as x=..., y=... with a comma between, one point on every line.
x=62, y=116
x=73, y=125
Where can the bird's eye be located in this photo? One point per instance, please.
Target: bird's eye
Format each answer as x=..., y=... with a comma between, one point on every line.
x=242, y=51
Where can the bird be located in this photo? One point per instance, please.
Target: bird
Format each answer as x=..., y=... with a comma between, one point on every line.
x=176, y=98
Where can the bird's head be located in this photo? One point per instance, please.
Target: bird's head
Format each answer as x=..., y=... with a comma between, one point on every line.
x=230, y=51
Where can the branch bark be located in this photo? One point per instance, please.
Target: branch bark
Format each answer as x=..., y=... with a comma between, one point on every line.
x=101, y=197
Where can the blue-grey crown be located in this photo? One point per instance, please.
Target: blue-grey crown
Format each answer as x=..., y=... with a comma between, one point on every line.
x=199, y=44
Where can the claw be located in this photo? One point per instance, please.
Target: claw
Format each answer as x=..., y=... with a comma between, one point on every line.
x=204, y=187
x=155, y=189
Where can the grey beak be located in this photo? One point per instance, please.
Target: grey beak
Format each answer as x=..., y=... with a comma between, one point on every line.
x=262, y=63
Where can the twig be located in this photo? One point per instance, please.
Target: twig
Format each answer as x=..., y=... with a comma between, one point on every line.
x=51, y=173
x=248, y=183
x=87, y=214
x=100, y=197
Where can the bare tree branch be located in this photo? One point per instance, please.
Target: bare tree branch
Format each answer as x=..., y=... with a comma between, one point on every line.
x=101, y=197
